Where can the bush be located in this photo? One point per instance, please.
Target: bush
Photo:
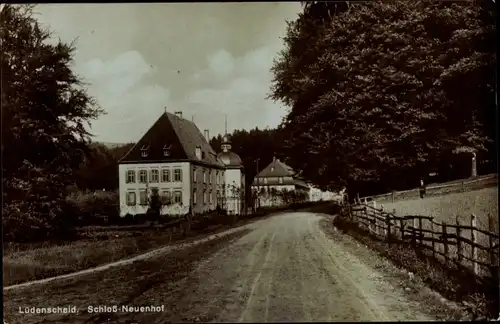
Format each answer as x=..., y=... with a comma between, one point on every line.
x=93, y=208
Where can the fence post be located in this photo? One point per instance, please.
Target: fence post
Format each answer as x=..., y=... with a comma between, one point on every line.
x=493, y=255
x=402, y=229
x=459, y=241
x=433, y=238
x=388, y=232
x=445, y=242
x=474, y=241
x=415, y=221
x=380, y=224
x=392, y=196
x=421, y=234
x=363, y=224
x=413, y=238
x=463, y=186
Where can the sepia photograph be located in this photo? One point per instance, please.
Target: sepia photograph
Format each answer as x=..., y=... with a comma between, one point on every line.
x=195, y=162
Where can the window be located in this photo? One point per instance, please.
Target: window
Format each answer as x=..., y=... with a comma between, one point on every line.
x=165, y=175
x=144, y=150
x=194, y=196
x=178, y=197
x=194, y=175
x=131, y=198
x=210, y=197
x=210, y=176
x=167, y=150
x=166, y=196
x=281, y=179
x=143, y=176
x=154, y=175
x=197, y=152
x=177, y=175
x=142, y=197
x=216, y=177
x=204, y=196
x=265, y=180
x=204, y=176
x=130, y=177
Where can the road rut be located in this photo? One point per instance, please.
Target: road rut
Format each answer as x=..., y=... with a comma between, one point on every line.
x=288, y=270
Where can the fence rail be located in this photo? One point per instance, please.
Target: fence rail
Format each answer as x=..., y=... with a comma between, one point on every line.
x=465, y=245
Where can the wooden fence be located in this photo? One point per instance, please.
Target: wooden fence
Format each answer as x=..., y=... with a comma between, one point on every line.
x=463, y=246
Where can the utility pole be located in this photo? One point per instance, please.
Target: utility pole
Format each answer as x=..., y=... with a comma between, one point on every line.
x=257, y=180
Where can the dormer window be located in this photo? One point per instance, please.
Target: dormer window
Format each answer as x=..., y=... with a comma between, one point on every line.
x=272, y=169
x=167, y=150
x=198, y=152
x=144, y=150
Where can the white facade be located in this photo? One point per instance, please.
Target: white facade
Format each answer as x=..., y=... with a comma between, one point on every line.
x=164, y=176
x=266, y=198
x=316, y=194
x=234, y=180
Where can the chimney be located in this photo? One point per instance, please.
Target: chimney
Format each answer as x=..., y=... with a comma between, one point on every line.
x=207, y=135
x=178, y=114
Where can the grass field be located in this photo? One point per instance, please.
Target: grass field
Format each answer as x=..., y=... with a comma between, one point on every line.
x=22, y=263
x=445, y=208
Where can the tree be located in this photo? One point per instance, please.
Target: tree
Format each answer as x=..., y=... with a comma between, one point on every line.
x=378, y=92
x=44, y=107
x=155, y=204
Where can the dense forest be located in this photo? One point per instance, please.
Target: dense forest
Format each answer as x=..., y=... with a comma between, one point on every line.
x=382, y=93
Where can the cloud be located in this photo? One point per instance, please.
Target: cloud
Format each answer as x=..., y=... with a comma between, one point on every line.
x=241, y=94
x=221, y=63
x=206, y=62
x=120, y=86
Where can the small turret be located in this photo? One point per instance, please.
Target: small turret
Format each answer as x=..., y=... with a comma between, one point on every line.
x=226, y=144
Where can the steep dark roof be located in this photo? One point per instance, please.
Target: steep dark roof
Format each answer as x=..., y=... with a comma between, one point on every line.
x=274, y=171
x=181, y=135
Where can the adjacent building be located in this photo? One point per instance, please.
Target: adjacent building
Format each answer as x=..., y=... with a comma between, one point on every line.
x=234, y=179
x=274, y=180
x=176, y=159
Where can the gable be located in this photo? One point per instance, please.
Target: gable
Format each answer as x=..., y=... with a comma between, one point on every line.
x=180, y=135
x=161, y=134
x=190, y=138
x=276, y=169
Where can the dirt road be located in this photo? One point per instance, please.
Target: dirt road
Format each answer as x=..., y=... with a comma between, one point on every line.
x=288, y=270
x=284, y=269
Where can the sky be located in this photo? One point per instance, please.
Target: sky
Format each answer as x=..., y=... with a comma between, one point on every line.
x=207, y=60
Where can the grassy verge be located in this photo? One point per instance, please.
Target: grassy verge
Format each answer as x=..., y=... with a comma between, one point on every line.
x=156, y=281
x=480, y=298
x=101, y=245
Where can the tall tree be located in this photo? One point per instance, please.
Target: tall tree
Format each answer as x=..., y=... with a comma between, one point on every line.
x=385, y=88
x=44, y=109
